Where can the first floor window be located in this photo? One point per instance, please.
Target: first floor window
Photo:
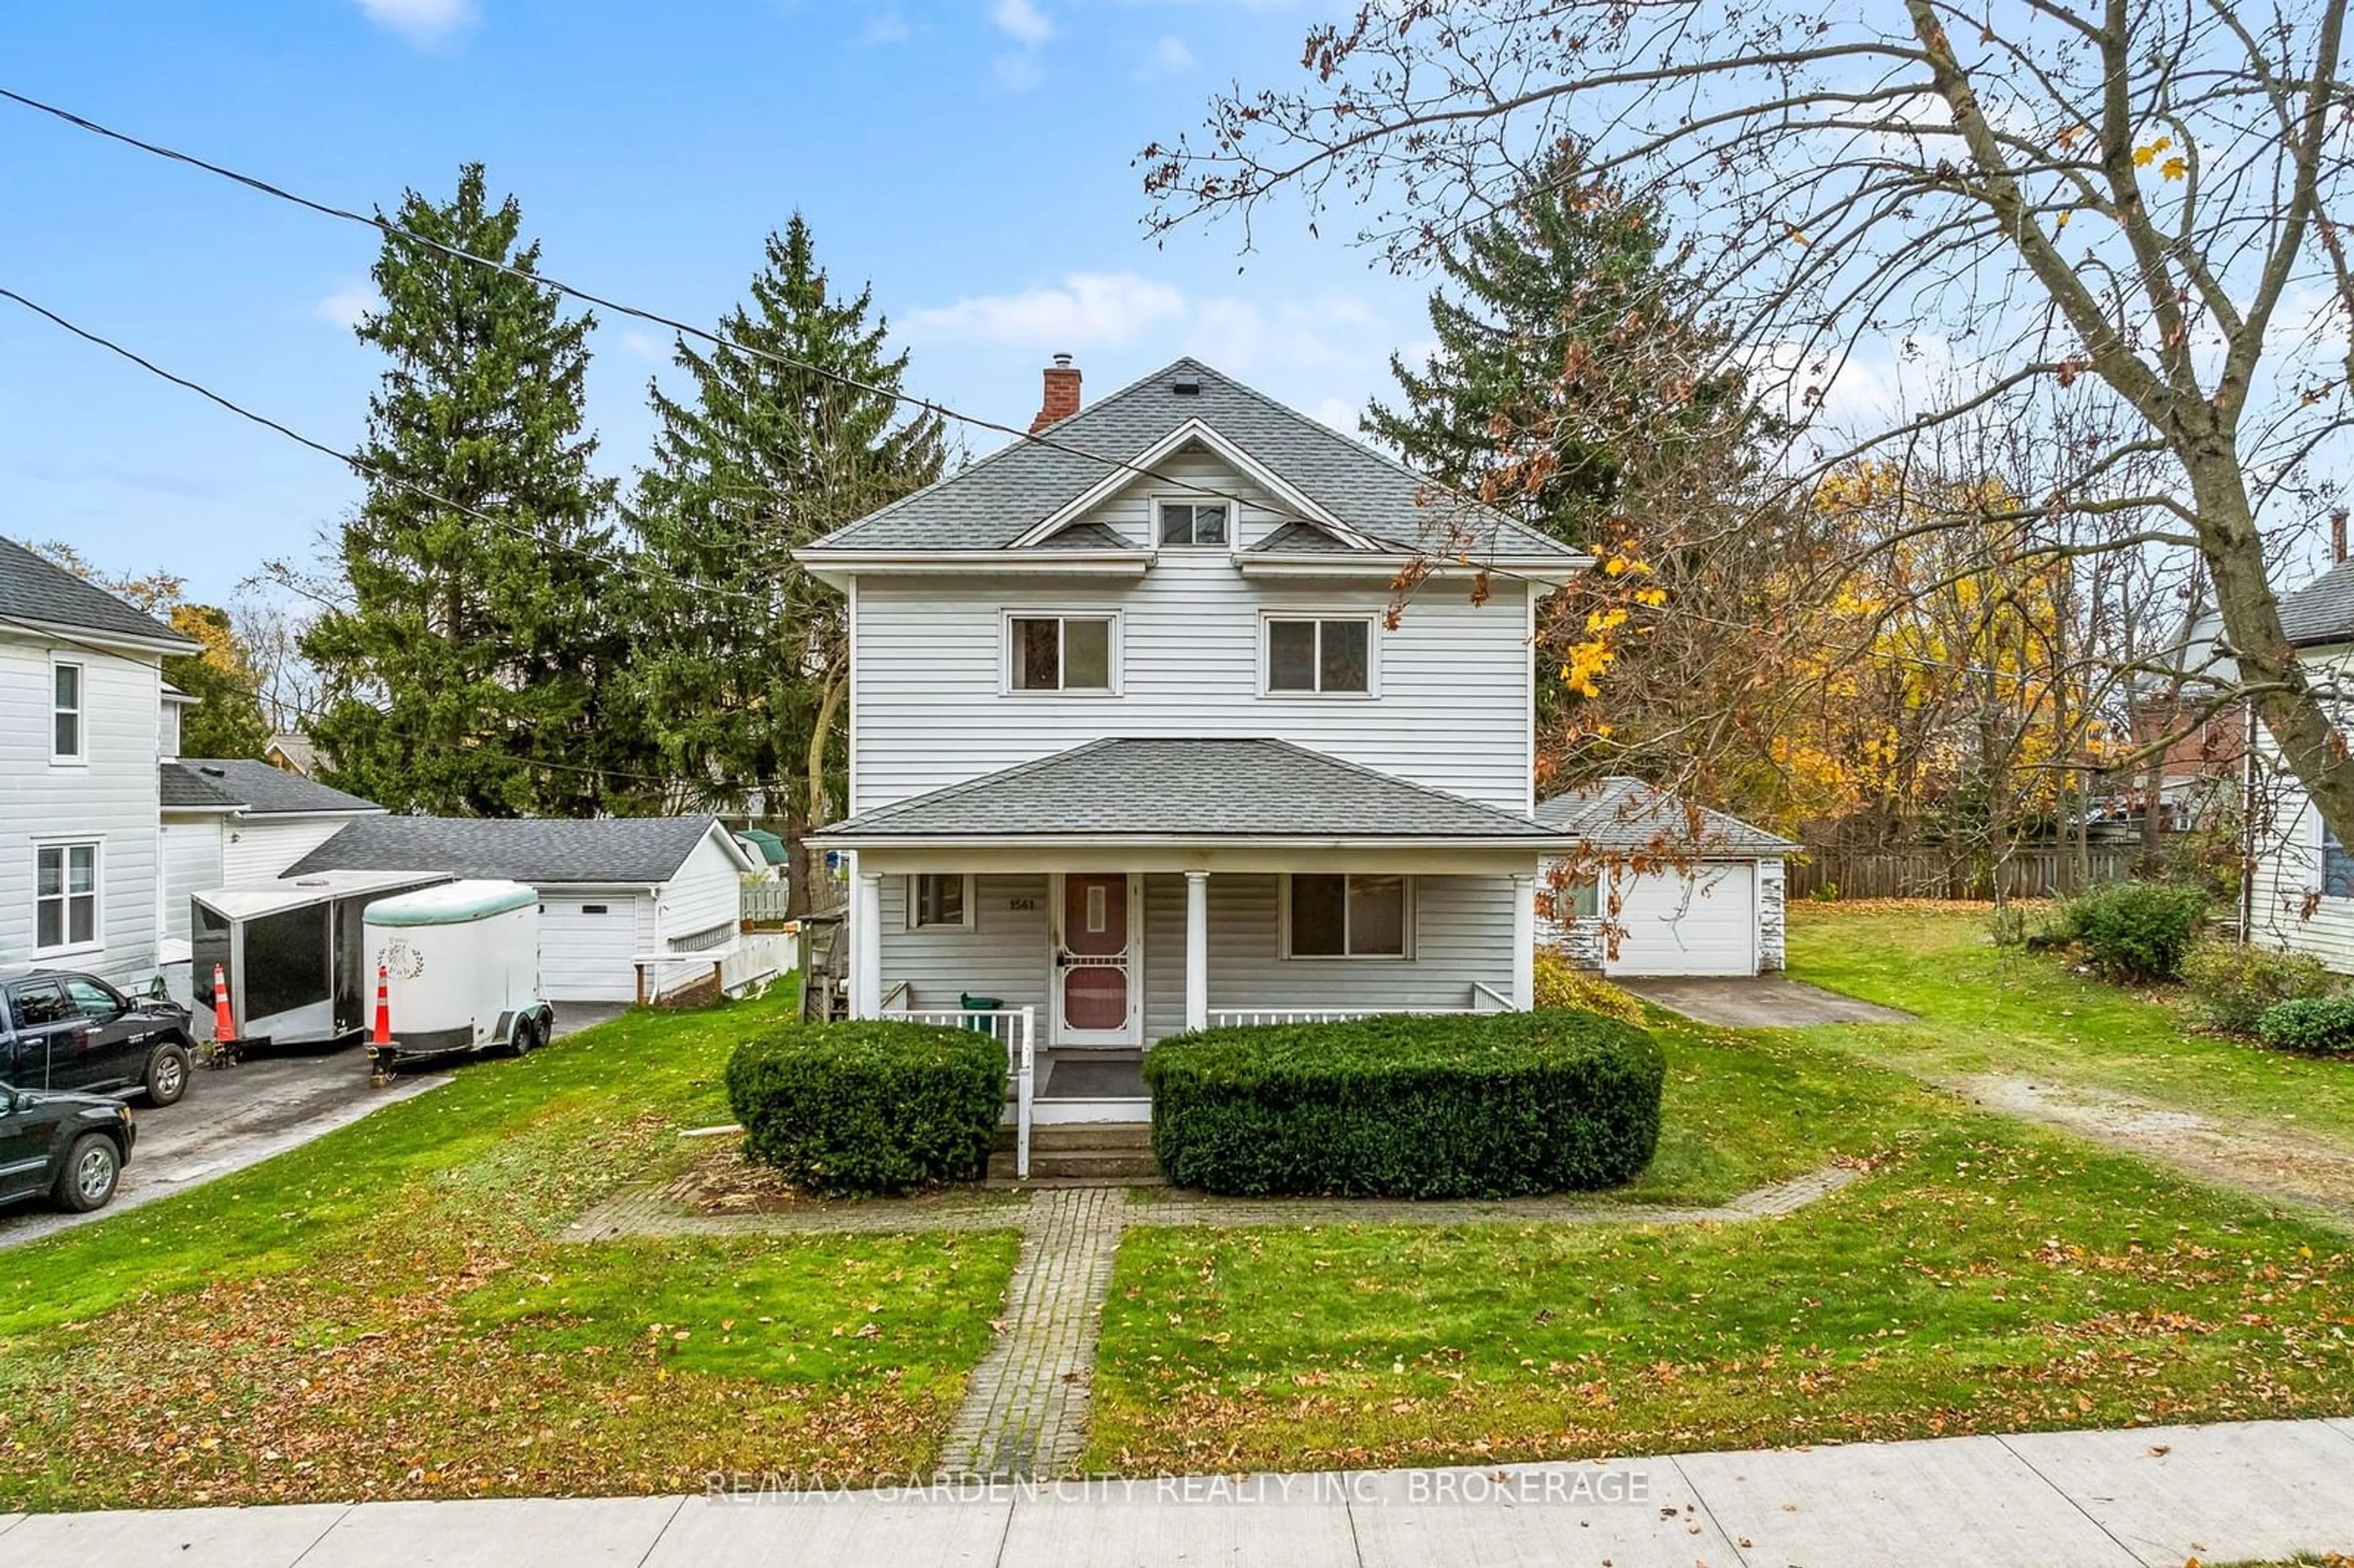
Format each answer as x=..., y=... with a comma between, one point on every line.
x=65, y=712
x=1580, y=900
x=1320, y=656
x=65, y=895
x=1347, y=916
x=1061, y=654
x=2337, y=867
x=939, y=900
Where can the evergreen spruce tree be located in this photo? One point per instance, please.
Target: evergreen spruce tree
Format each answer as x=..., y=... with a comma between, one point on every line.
x=741, y=663
x=1561, y=341
x=471, y=672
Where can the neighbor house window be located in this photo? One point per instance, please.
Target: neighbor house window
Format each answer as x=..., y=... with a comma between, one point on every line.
x=2337, y=867
x=1345, y=917
x=65, y=896
x=1580, y=900
x=65, y=711
x=1193, y=523
x=936, y=900
x=1060, y=652
x=1320, y=656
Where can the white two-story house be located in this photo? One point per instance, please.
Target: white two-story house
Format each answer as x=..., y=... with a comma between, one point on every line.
x=1147, y=736
x=84, y=714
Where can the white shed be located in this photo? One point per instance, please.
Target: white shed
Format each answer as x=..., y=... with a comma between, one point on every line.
x=615, y=893
x=1683, y=891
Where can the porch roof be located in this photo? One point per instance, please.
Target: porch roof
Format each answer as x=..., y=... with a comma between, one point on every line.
x=1190, y=792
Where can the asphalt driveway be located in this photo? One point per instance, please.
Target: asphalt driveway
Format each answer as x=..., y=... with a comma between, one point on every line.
x=231, y=1118
x=1759, y=1001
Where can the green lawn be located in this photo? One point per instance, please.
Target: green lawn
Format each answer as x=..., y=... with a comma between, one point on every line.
x=384, y=1312
x=1995, y=1010
x=1986, y=1275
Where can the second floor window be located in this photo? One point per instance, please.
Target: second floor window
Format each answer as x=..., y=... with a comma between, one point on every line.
x=1192, y=523
x=65, y=736
x=1320, y=656
x=1060, y=652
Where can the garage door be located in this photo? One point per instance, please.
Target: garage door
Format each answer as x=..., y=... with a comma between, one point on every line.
x=1704, y=924
x=584, y=948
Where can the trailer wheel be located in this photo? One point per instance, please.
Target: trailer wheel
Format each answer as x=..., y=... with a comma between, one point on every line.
x=525, y=1036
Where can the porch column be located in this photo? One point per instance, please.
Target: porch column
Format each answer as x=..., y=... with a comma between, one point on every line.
x=1198, y=949
x=1524, y=942
x=866, y=944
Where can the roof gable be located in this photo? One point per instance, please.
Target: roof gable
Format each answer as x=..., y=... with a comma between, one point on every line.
x=1022, y=490
x=1626, y=814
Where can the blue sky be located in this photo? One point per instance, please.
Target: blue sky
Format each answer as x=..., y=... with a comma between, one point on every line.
x=972, y=158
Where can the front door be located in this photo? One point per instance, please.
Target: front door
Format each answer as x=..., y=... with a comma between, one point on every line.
x=1097, y=926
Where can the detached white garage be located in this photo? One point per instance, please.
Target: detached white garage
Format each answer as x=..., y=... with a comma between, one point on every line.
x=1663, y=889
x=612, y=891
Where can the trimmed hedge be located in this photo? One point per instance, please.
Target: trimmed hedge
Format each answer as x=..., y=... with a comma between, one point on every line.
x=869, y=1107
x=1468, y=1106
x=2135, y=931
x=2319, y=1026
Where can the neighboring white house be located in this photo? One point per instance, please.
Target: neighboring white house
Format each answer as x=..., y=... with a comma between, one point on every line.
x=1135, y=743
x=233, y=822
x=617, y=895
x=84, y=715
x=1683, y=891
x=2300, y=892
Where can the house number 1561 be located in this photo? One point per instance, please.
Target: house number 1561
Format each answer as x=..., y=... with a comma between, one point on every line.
x=1022, y=904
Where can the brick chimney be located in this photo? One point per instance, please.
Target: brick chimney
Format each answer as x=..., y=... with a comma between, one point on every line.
x=1061, y=395
x=2337, y=535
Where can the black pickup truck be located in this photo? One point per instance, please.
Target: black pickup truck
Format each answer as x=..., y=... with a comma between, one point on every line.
x=63, y=1031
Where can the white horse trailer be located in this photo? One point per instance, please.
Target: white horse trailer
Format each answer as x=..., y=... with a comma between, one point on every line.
x=460, y=970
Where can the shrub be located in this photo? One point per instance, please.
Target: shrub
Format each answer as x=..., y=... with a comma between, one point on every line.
x=1487, y=1105
x=2320, y=1026
x=2134, y=931
x=1562, y=984
x=869, y=1107
x=2235, y=986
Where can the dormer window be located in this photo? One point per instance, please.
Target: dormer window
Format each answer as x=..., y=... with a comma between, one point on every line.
x=1060, y=653
x=1188, y=523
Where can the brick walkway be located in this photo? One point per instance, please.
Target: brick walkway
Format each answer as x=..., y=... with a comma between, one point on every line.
x=1025, y=1409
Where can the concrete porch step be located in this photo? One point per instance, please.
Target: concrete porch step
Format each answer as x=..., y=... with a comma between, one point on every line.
x=1112, y=1152
x=1073, y=1136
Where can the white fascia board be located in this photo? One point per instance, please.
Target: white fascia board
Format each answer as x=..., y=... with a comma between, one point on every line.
x=1534, y=842
x=83, y=636
x=831, y=566
x=1193, y=430
x=1551, y=570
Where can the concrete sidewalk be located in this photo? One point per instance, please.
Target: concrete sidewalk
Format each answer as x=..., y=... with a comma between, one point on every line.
x=2156, y=1497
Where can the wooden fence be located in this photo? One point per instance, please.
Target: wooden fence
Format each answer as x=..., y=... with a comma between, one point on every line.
x=1930, y=872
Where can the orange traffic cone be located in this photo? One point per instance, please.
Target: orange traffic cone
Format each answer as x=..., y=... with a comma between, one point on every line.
x=382, y=1035
x=224, y=1027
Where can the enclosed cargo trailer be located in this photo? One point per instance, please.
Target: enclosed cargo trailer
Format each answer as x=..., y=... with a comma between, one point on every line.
x=295, y=954
x=459, y=970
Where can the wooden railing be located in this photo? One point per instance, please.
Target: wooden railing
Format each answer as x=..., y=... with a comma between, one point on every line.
x=1242, y=1017
x=1017, y=1028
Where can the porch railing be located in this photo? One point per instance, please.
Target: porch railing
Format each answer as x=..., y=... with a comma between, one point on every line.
x=1017, y=1029
x=1235, y=1017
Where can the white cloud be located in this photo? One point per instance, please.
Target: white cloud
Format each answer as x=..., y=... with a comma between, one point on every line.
x=1087, y=309
x=1018, y=73
x=645, y=345
x=347, y=305
x=1168, y=57
x=1021, y=21
x=421, y=21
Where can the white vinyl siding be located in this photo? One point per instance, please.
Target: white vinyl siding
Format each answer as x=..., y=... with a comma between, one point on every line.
x=1003, y=953
x=260, y=848
x=1454, y=680
x=706, y=892
x=192, y=864
x=111, y=799
x=586, y=943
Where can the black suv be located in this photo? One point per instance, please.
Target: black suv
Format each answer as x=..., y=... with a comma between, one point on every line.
x=59, y=1030
x=71, y=1146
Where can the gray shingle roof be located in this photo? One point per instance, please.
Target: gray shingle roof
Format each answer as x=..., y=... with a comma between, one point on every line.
x=994, y=503
x=183, y=791
x=1621, y=814
x=264, y=790
x=33, y=589
x=614, y=851
x=1194, y=790
x=1304, y=537
x=2323, y=610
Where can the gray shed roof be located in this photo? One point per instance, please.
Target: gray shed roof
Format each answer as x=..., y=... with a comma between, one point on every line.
x=262, y=790
x=994, y=503
x=1620, y=813
x=2322, y=610
x=1199, y=791
x=32, y=589
x=184, y=790
x=602, y=851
